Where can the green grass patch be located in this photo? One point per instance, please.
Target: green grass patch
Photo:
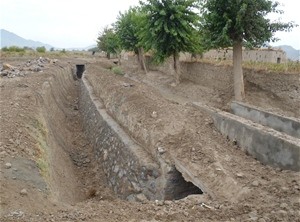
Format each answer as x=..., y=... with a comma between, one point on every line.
x=39, y=132
x=117, y=70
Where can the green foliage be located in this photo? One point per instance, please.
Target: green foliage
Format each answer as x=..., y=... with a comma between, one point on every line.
x=4, y=49
x=52, y=49
x=225, y=22
x=13, y=49
x=171, y=27
x=108, y=41
x=127, y=28
x=41, y=49
x=63, y=51
x=117, y=70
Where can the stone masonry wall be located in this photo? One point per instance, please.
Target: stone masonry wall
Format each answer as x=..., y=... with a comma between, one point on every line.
x=129, y=170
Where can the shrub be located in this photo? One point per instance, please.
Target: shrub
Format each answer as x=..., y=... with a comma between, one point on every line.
x=41, y=49
x=5, y=49
x=26, y=48
x=12, y=49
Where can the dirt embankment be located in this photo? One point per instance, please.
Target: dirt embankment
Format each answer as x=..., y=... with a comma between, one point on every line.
x=46, y=162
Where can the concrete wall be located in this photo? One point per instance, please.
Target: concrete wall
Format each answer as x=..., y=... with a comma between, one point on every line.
x=280, y=123
x=130, y=171
x=265, y=144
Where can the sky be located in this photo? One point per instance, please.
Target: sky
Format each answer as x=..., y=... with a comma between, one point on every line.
x=77, y=23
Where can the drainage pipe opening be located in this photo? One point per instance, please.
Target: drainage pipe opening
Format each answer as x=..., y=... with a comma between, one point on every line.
x=80, y=68
x=178, y=188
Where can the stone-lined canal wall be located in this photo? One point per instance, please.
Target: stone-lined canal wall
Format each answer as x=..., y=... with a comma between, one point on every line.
x=129, y=169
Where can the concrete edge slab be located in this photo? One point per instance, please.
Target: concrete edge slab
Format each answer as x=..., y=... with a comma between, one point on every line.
x=288, y=125
x=265, y=144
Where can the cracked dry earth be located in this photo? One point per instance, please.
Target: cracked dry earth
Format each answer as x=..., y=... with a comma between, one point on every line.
x=49, y=173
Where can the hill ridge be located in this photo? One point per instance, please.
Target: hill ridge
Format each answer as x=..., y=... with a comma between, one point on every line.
x=11, y=39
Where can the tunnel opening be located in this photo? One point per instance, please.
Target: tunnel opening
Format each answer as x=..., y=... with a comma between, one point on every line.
x=177, y=187
x=80, y=68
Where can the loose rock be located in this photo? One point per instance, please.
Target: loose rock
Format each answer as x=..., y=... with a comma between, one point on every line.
x=8, y=165
x=240, y=175
x=284, y=206
x=23, y=192
x=161, y=150
x=154, y=114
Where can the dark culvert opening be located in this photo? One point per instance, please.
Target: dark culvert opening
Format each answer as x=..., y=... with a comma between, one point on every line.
x=178, y=188
x=80, y=68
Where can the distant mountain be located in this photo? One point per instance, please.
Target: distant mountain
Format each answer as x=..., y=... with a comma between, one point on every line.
x=91, y=47
x=80, y=48
x=10, y=39
x=291, y=53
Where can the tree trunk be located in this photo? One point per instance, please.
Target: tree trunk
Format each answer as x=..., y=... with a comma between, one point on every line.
x=238, y=79
x=141, y=59
x=139, y=56
x=119, y=59
x=176, y=68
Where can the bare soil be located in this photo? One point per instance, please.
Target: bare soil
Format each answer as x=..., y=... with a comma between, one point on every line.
x=50, y=174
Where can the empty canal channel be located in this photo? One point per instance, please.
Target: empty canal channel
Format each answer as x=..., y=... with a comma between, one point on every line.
x=131, y=172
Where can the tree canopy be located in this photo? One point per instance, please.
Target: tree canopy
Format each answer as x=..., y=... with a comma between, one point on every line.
x=227, y=21
x=127, y=27
x=108, y=41
x=171, y=27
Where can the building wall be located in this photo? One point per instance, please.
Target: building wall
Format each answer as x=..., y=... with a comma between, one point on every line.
x=258, y=55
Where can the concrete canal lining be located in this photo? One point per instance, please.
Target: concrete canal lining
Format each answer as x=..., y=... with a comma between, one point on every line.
x=290, y=126
x=263, y=143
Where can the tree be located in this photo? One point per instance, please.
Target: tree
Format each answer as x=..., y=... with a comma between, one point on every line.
x=236, y=23
x=170, y=29
x=109, y=42
x=127, y=28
